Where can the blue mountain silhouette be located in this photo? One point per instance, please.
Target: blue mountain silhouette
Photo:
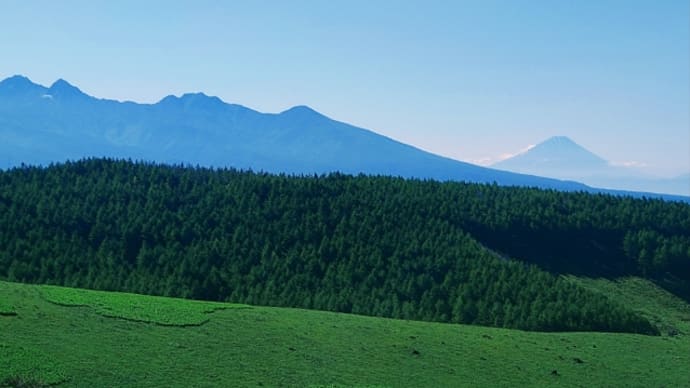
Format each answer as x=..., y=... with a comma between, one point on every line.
x=40, y=125
x=561, y=158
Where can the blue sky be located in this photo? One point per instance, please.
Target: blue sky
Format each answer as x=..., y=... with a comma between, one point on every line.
x=473, y=80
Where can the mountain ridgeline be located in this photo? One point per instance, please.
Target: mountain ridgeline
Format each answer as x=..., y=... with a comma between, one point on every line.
x=42, y=125
x=359, y=244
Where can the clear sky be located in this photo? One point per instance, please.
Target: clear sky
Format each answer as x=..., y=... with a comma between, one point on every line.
x=472, y=80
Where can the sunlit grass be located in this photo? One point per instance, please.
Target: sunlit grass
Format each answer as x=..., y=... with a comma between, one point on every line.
x=6, y=308
x=77, y=343
x=151, y=309
x=670, y=314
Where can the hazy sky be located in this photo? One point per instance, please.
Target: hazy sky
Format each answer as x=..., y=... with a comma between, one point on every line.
x=472, y=80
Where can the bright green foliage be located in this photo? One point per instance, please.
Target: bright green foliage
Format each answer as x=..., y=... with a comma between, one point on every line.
x=6, y=308
x=22, y=361
x=272, y=347
x=345, y=386
x=670, y=314
x=28, y=364
x=367, y=245
x=158, y=310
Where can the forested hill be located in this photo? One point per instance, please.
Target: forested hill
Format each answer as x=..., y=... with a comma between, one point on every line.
x=370, y=245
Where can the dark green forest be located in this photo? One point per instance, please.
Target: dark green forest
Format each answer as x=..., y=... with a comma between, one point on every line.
x=382, y=246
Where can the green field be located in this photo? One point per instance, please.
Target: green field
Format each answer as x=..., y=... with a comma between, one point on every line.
x=73, y=337
x=6, y=308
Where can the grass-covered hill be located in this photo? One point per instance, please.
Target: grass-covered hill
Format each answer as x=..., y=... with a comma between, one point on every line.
x=79, y=338
x=367, y=245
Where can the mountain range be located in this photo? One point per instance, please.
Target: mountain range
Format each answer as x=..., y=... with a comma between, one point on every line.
x=42, y=125
x=561, y=158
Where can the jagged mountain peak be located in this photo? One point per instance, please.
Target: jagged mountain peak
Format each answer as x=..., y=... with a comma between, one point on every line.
x=299, y=109
x=198, y=96
x=61, y=83
x=17, y=79
x=62, y=88
x=18, y=84
x=301, y=112
x=199, y=129
x=193, y=100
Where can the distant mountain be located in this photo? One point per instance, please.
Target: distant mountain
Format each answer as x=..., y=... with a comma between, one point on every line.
x=560, y=157
x=41, y=125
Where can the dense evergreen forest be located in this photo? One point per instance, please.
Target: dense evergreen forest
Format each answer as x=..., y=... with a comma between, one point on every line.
x=369, y=245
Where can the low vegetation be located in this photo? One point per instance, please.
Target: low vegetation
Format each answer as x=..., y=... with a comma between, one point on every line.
x=668, y=313
x=158, y=310
x=48, y=343
x=6, y=308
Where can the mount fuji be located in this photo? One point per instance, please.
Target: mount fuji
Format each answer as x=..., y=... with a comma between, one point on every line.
x=560, y=157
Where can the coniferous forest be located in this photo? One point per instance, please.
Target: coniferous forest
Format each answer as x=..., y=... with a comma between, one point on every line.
x=426, y=250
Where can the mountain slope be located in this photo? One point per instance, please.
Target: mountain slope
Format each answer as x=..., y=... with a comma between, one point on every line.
x=43, y=125
x=40, y=125
x=98, y=344
x=560, y=157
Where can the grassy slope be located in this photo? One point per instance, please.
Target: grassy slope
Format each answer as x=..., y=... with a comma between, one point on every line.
x=258, y=346
x=670, y=314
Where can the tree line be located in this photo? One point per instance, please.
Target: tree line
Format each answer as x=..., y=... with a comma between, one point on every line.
x=378, y=246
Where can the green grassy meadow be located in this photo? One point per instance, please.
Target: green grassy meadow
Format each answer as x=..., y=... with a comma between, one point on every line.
x=80, y=338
